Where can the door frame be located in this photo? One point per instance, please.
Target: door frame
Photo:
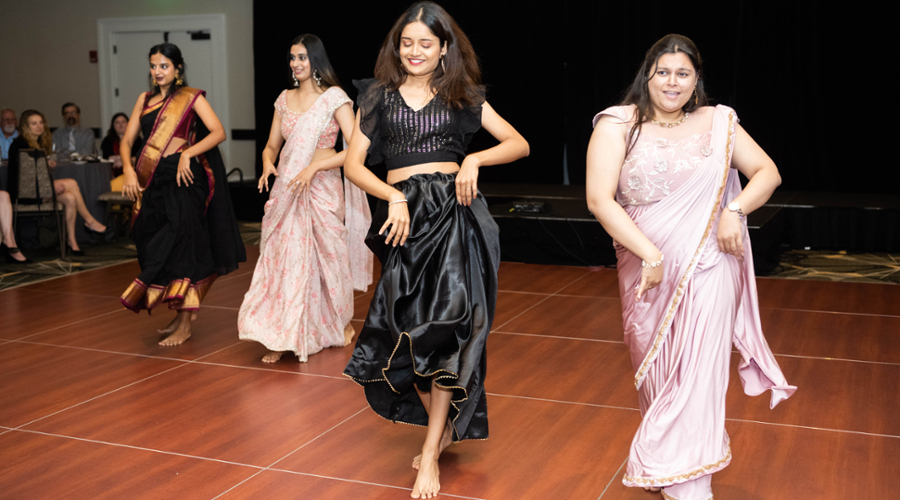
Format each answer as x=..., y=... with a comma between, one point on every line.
x=215, y=23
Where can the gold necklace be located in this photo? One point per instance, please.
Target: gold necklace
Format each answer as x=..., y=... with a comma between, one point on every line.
x=673, y=124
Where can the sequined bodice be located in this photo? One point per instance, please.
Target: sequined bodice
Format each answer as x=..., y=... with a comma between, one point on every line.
x=657, y=166
x=427, y=130
x=289, y=118
x=401, y=136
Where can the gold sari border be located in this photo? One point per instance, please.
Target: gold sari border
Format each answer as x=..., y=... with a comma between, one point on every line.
x=180, y=294
x=641, y=482
x=174, y=110
x=679, y=292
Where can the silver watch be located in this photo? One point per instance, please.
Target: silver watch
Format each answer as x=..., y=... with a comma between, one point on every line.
x=734, y=207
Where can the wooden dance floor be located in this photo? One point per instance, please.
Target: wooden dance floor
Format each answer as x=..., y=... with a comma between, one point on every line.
x=91, y=407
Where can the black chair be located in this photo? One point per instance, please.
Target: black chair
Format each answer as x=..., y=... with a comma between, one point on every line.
x=36, y=186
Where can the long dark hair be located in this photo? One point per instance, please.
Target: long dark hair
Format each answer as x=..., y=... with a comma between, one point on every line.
x=111, y=133
x=318, y=60
x=457, y=80
x=173, y=53
x=638, y=92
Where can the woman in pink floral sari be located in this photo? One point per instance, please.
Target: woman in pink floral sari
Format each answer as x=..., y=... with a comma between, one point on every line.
x=662, y=178
x=312, y=254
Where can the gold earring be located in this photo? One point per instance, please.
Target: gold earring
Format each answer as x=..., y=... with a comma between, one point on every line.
x=179, y=80
x=153, y=83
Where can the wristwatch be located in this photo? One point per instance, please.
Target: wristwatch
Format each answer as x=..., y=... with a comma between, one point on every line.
x=734, y=207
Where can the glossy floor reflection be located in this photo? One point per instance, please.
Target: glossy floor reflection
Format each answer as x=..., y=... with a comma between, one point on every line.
x=91, y=407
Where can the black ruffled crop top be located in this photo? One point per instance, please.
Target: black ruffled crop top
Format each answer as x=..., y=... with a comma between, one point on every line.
x=401, y=137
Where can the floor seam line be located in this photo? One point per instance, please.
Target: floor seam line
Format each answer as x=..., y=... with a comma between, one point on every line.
x=68, y=324
x=100, y=396
x=141, y=448
x=613, y=478
x=342, y=422
x=809, y=427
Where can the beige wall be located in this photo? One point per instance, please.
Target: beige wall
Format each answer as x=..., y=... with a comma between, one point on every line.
x=44, y=57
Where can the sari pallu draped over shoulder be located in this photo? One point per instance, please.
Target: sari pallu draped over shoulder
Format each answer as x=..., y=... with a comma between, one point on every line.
x=703, y=293
x=312, y=250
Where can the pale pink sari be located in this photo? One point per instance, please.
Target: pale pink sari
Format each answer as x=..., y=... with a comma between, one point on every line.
x=680, y=333
x=301, y=296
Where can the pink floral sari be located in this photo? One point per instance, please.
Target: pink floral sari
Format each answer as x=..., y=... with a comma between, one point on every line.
x=680, y=333
x=301, y=296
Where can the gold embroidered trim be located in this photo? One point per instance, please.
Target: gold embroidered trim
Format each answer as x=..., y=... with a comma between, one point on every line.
x=667, y=481
x=448, y=374
x=679, y=292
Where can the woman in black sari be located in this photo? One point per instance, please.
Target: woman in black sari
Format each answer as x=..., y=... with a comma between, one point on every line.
x=183, y=224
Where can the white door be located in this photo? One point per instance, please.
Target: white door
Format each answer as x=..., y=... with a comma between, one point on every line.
x=131, y=68
x=197, y=54
x=124, y=60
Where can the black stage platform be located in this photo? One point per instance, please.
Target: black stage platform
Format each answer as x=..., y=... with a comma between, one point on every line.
x=568, y=234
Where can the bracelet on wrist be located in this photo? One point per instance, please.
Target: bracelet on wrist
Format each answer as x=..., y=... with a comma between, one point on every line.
x=398, y=201
x=653, y=264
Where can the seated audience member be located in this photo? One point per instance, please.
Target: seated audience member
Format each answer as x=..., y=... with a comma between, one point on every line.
x=7, y=237
x=33, y=134
x=8, y=131
x=72, y=137
x=110, y=145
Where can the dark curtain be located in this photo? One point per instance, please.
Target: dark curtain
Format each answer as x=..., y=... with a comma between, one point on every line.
x=800, y=78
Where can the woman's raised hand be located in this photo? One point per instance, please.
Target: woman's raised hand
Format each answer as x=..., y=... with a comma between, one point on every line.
x=301, y=181
x=397, y=220
x=730, y=233
x=184, y=174
x=467, y=182
x=130, y=187
x=651, y=277
x=268, y=169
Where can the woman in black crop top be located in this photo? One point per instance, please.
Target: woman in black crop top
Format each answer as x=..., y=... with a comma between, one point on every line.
x=420, y=355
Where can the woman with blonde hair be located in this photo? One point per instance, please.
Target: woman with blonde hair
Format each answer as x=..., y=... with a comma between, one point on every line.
x=34, y=134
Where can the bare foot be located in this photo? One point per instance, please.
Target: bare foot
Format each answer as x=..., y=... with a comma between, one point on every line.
x=428, y=482
x=446, y=440
x=170, y=327
x=653, y=489
x=182, y=330
x=174, y=324
x=349, y=332
x=272, y=357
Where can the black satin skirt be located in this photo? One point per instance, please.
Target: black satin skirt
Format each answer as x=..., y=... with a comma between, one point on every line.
x=432, y=309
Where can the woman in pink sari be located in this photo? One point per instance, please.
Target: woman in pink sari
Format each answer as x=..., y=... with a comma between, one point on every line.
x=312, y=254
x=662, y=179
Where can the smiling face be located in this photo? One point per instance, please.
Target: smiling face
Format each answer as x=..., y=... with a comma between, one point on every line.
x=35, y=125
x=299, y=62
x=672, y=85
x=119, y=125
x=420, y=49
x=162, y=71
x=71, y=115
